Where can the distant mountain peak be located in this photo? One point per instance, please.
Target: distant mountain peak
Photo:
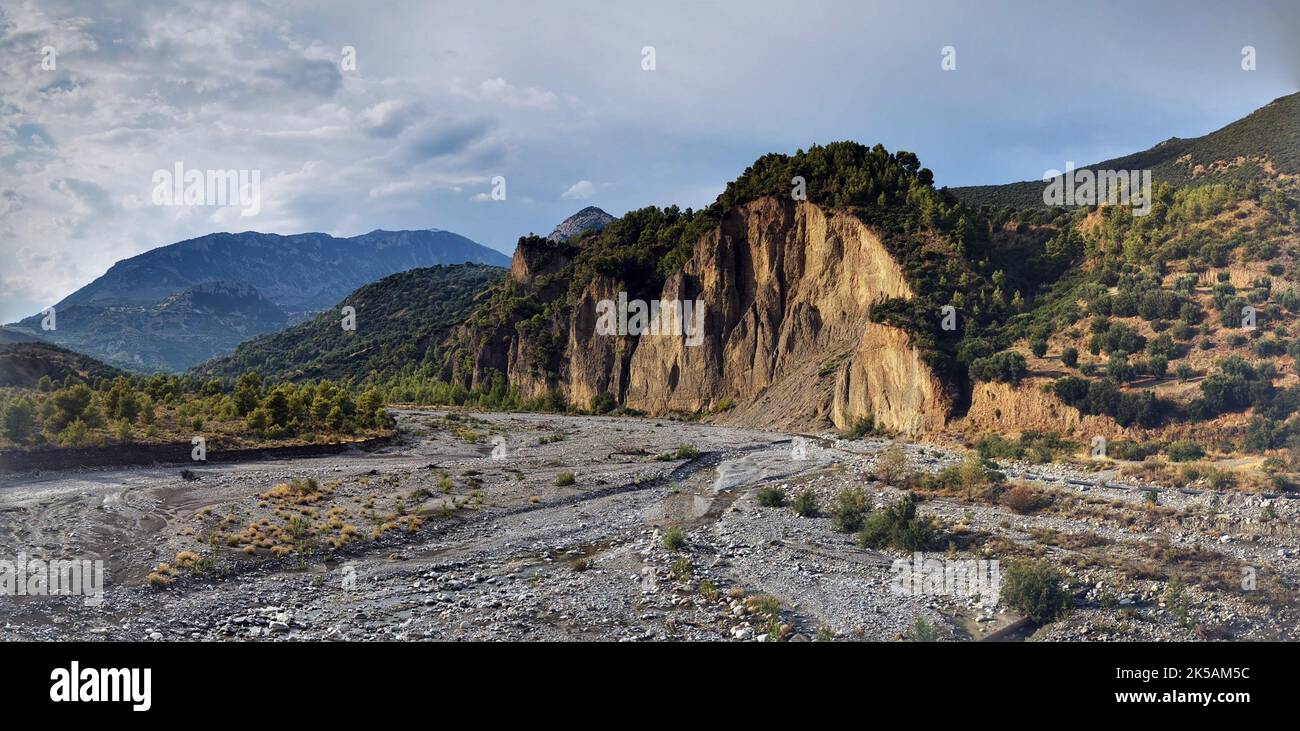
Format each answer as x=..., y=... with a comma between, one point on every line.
x=590, y=218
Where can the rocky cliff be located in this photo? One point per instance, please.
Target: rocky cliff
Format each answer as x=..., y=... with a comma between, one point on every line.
x=787, y=339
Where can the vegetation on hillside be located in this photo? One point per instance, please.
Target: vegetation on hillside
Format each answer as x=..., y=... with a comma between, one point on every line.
x=1250, y=150
x=401, y=319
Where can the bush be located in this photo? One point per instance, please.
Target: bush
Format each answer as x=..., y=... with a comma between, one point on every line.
x=848, y=510
x=1184, y=451
x=771, y=497
x=1036, y=590
x=1004, y=367
x=971, y=476
x=922, y=631
x=686, y=451
x=674, y=538
x=1104, y=397
x=1070, y=357
x=891, y=465
x=996, y=446
x=69, y=405
x=76, y=434
x=1038, y=348
x=805, y=503
x=1128, y=450
x=1022, y=499
x=603, y=403
x=19, y=419
x=897, y=526
x=860, y=428
x=682, y=569
x=565, y=479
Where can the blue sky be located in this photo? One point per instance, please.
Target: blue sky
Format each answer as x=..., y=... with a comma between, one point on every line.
x=553, y=97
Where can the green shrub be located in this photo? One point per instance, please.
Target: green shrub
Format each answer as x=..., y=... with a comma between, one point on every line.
x=565, y=479
x=860, y=428
x=897, y=526
x=686, y=451
x=1036, y=590
x=674, y=538
x=771, y=497
x=805, y=503
x=891, y=465
x=603, y=403
x=682, y=568
x=1004, y=367
x=19, y=419
x=995, y=446
x=922, y=631
x=1184, y=451
x=849, y=508
x=1129, y=450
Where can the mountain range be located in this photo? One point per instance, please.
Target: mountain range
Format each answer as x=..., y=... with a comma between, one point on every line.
x=178, y=305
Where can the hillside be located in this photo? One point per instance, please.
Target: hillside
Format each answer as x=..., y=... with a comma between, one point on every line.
x=783, y=319
x=183, y=329
x=1263, y=147
x=828, y=313
x=400, y=321
x=23, y=364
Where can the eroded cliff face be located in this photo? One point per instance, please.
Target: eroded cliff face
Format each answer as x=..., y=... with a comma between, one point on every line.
x=787, y=342
x=1005, y=409
x=787, y=288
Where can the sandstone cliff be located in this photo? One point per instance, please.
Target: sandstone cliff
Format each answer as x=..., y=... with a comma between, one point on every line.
x=787, y=339
x=1002, y=408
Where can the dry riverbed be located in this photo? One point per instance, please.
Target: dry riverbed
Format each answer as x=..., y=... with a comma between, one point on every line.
x=471, y=528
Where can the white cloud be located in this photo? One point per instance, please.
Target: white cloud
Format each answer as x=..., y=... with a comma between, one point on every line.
x=500, y=90
x=582, y=190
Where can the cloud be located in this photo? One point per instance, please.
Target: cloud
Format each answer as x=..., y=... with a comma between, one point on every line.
x=443, y=138
x=502, y=91
x=446, y=96
x=315, y=76
x=388, y=119
x=582, y=190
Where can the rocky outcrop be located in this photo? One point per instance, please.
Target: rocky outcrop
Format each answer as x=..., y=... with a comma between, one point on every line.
x=787, y=339
x=1004, y=408
x=590, y=218
x=787, y=289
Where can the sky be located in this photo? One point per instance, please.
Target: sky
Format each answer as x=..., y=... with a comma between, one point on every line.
x=400, y=115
